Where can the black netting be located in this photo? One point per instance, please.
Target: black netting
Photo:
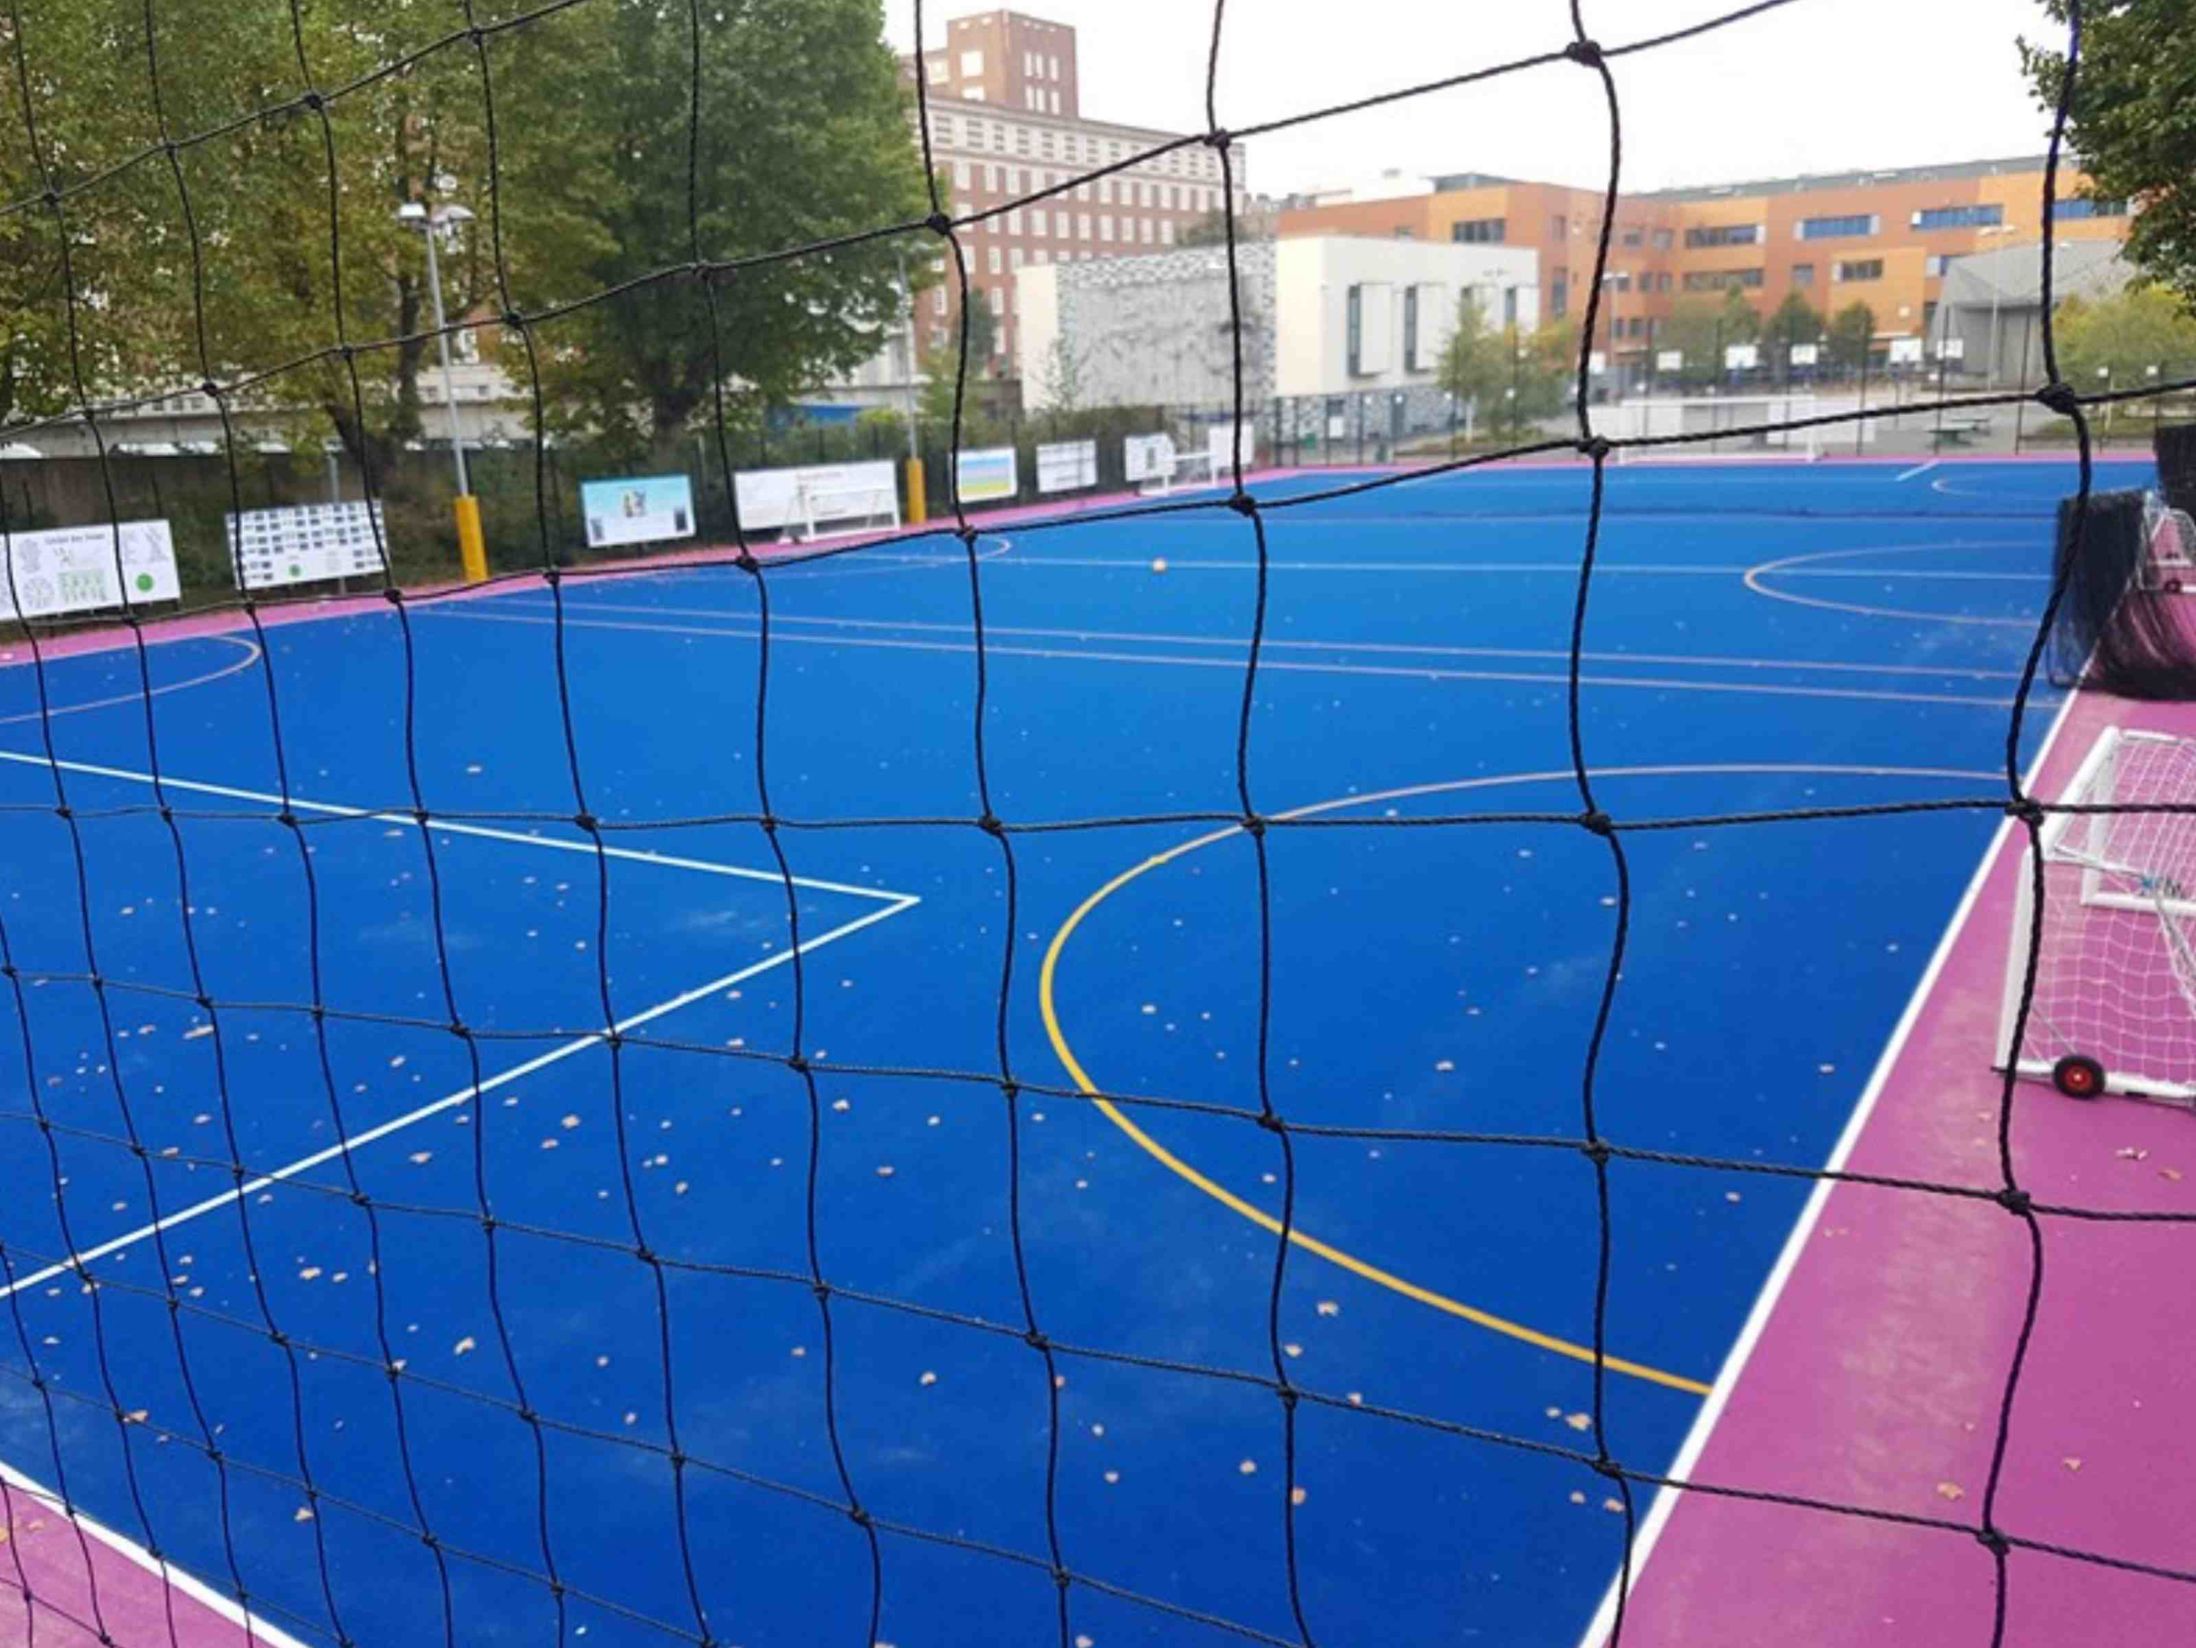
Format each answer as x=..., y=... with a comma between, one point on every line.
x=59, y=218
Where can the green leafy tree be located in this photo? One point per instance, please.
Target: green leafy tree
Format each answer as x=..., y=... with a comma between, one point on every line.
x=2126, y=336
x=1063, y=376
x=1512, y=376
x=1849, y=334
x=1795, y=320
x=803, y=138
x=1695, y=330
x=2133, y=121
x=1741, y=323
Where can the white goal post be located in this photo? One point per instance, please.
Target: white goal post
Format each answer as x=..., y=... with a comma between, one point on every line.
x=1720, y=428
x=2114, y=1009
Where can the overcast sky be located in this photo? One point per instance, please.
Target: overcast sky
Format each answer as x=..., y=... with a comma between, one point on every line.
x=1820, y=85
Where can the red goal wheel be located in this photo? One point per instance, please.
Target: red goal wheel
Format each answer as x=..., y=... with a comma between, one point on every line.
x=2078, y=1076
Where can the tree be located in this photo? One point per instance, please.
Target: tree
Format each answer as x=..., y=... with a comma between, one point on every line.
x=2133, y=121
x=1795, y=320
x=1063, y=377
x=2125, y=336
x=1739, y=320
x=1695, y=330
x=1524, y=374
x=803, y=138
x=1849, y=334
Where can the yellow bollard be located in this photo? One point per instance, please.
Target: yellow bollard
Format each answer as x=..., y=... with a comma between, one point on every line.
x=472, y=547
x=918, y=506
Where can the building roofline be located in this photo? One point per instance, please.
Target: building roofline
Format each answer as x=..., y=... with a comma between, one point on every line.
x=1806, y=182
x=1059, y=122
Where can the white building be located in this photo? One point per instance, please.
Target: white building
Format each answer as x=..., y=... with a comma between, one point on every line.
x=1323, y=316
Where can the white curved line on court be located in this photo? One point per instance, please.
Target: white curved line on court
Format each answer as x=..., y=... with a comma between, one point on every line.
x=251, y=656
x=473, y=611
x=1754, y=574
x=1384, y=648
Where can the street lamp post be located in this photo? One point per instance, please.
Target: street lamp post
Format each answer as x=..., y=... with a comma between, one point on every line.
x=918, y=503
x=472, y=546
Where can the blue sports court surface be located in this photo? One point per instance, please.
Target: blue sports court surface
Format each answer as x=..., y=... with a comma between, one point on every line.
x=626, y=1376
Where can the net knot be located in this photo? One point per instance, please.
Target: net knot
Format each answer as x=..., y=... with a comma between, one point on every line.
x=1605, y=1466
x=821, y=1289
x=1597, y=1151
x=313, y=101
x=63, y=810
x=422, y=817
x=1243, y=504
x=1596, y=448
x=2027, y=809
x=1287, y=1393
x=286, y=818
x=2015, y=1200
x=1254, y=824
x=552, y=576
x=1219, y=138
x=798, y=1064
x=586, y=822
x=938, y=223
x=2060, y=398
x=1060, y=1578
x=1597, y=822
x=1036, y=1340
x=458, y=1028
x=393, y=595
x=644, y=1253
x=210, y=389
x=512, y=320
x=991, y=825
x=1993, y=1541
x=1271, y=1121
x=1587, y=52
x=967, y=535
x=205, y=1002
x=1010, y=1087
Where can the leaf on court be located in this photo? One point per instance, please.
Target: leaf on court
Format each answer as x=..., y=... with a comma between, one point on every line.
x=2129, y=1153
x=569, y=1123
x=884, y=1170
x=927, y=1378
x=1579, y=1421
x=304, y=1513
x=2172, y=1173
x=2071, y=1462
x=1950, y=1490
x=309, y=1274
x=420, y=1158
x=1578, y=1496
x=1248, y=1467
x=1613, y=1505
x=464, y=1346
x=1327, y=1307
x=549, y=1143
x=1112, y=1477
x=1297, y=1496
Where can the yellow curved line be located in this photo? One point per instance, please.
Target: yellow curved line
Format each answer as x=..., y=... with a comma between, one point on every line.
x=1048, y=974
x=251, y=657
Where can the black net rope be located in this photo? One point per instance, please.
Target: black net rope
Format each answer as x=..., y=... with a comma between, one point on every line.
x=704, y=278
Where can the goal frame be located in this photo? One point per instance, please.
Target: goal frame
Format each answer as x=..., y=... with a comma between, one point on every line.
x=2064, y=840
x=812, y=516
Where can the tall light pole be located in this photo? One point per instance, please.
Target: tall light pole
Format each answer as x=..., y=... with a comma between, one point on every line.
x=472, y=547
x=918, y=507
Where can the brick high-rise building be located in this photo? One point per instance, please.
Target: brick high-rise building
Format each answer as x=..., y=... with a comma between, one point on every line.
x=1009, y=61
x=1005, y=123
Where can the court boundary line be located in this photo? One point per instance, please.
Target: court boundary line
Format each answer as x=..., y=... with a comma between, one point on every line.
x=173, y=1575
x=75, y=1262
x=1290, y=666
x=253, y=653
x=1300, y=644
x=1724, y=1386
x=330, y=809
x=1064, y=1051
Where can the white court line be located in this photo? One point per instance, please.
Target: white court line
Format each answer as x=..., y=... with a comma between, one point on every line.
x=1795, y=1243
x=901, y=901
x=1918, y=469
x=1407, y=649
x=1569, y=569
x=668, y=861
x=471, y=613
x=256, y=1629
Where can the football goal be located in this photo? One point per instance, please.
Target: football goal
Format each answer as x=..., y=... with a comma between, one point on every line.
x=2115, y=1000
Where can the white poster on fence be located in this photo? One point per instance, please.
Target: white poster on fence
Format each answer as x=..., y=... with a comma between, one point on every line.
x=1905, y=352
x=305, y=544
x=73, y=569
x=1067, y=466
x=1147, y=457
x=1220, y=442
x=637, y=509
x=987, y=475
x=1805, y=354
x=1741, y=357
x=814, y=493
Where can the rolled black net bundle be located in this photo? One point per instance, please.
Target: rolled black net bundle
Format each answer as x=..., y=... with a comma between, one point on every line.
x=2123, y=626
